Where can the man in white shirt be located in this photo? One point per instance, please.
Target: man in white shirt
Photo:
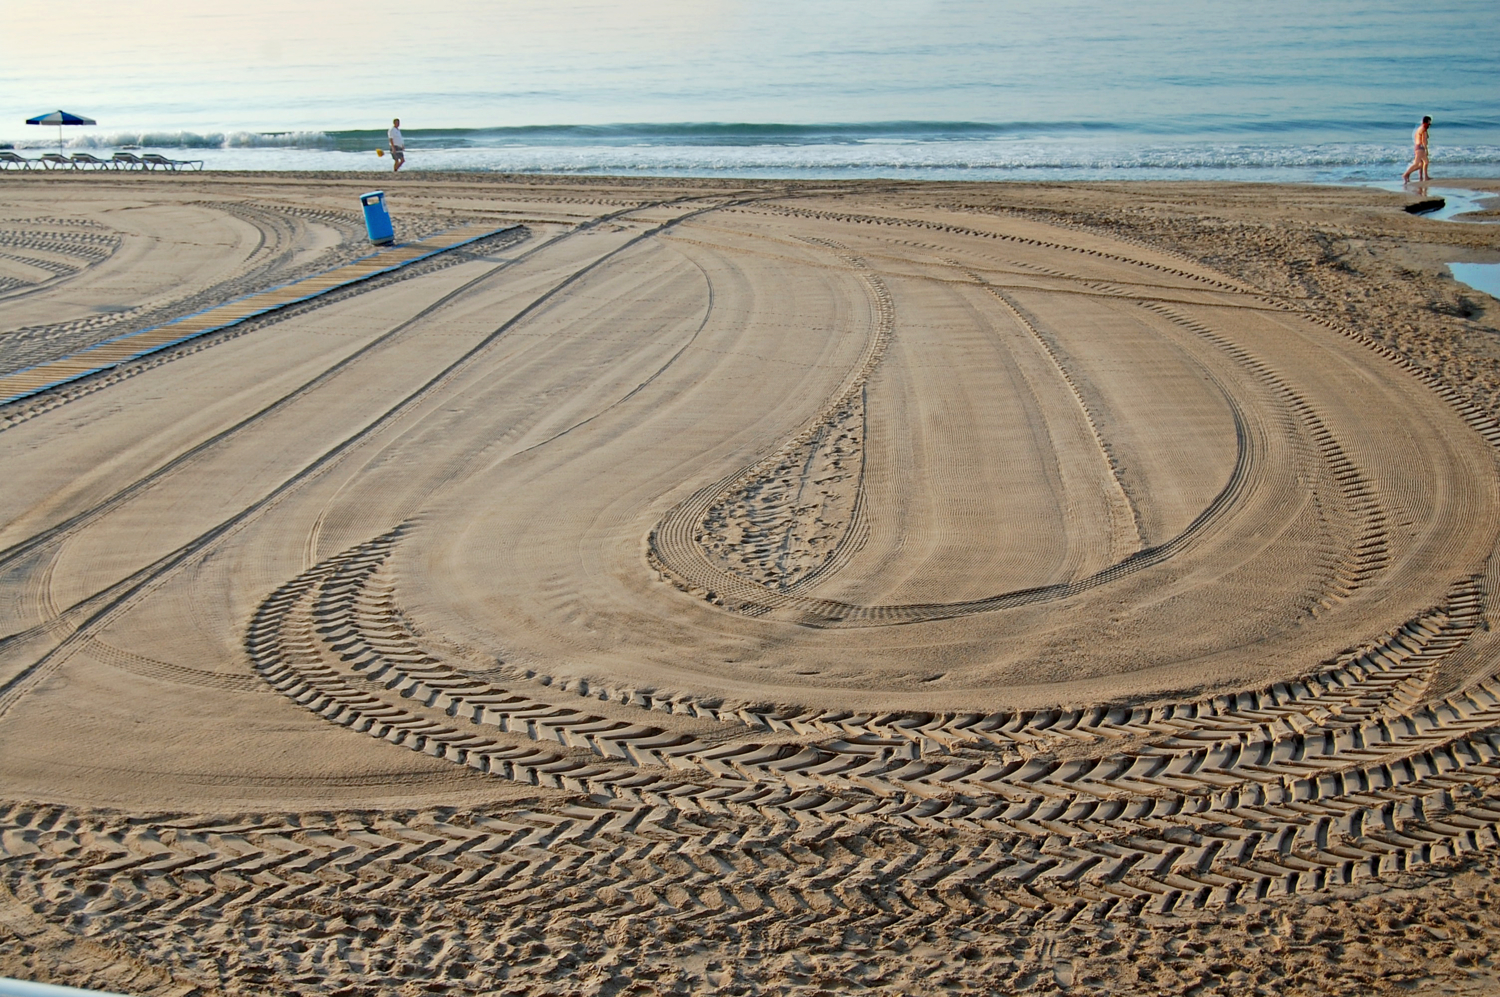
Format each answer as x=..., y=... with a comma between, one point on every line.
x=398, y=144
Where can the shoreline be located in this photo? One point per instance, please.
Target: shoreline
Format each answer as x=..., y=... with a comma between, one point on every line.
x=631, y=179
x=373, y=180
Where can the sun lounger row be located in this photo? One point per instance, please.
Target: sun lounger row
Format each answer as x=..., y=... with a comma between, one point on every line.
x=82, y=160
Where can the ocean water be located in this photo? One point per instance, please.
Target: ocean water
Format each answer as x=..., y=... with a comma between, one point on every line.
x=943, y=89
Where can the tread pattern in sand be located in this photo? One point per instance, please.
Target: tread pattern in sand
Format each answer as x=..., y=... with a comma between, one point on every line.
x=619, y=531
x=1349, y=754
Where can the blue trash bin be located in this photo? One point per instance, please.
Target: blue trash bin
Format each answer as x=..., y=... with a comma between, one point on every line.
x=377, y=219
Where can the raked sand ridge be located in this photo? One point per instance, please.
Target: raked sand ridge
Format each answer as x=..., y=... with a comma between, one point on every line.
x=750, y=587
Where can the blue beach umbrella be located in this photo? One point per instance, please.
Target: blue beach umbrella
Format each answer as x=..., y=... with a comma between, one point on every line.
x=60, y=118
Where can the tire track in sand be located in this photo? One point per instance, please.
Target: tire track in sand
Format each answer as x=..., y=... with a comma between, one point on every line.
x=87, y=616
x=1338, y=779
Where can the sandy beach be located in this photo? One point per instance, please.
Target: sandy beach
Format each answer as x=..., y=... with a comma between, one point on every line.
x=751, y=587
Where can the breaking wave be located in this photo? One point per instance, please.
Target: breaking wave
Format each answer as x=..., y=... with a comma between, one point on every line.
x=915, y=150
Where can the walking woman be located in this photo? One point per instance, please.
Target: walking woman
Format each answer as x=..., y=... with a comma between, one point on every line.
x=1419, y=155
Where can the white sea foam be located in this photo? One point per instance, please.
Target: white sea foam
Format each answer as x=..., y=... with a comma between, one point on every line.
x=904, y=149
x=913, y=160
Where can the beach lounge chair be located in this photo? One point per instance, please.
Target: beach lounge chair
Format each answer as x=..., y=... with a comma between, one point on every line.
x=9, y=159
x=127, y=161
x=85, y=159
x=153, y=160
x=53, y=161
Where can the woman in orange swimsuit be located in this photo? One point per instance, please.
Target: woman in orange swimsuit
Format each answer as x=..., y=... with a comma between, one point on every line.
x=1419, y=155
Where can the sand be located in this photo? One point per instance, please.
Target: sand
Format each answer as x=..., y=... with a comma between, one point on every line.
x=739, y=587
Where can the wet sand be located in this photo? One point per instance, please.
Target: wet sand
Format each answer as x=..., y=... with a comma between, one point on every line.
x=751, y=587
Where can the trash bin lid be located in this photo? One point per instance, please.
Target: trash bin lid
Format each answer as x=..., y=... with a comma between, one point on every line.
x=376, y=194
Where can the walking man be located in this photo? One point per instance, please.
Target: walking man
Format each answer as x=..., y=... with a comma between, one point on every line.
x=398, y=144
x=1419, y=154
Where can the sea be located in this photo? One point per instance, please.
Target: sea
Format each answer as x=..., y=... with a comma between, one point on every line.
x=1323, y=91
